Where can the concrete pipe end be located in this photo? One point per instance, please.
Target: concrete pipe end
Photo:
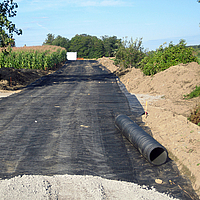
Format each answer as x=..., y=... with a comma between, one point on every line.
x=158, y=156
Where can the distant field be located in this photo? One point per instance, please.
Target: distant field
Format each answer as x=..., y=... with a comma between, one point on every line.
x=43, y=48
x=33, y=57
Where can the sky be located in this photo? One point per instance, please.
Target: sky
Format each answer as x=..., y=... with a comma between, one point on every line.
x=156, y=21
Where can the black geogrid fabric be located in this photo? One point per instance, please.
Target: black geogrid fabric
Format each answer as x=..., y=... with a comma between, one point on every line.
x=64, y=124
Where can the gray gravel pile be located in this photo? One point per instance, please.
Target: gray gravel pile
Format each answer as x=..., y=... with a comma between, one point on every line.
x=74, y=187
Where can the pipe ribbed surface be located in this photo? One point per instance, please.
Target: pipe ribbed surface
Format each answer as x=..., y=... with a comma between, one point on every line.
x=152, y=150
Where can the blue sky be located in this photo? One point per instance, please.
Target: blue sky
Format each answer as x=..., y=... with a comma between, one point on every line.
x=156, y=21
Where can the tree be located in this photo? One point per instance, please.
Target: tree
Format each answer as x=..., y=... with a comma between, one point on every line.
x=97, y=48
x=87, y=46
x=7, y=28
x=130, y=53
x=58, y=41
x=50, y=39
x=61, y=41
x=111, y=45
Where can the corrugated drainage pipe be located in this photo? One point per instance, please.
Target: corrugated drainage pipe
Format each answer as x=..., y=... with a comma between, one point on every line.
x=152, y=150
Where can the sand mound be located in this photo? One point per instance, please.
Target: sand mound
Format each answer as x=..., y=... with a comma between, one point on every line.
x=108, y=63
x=174, y=82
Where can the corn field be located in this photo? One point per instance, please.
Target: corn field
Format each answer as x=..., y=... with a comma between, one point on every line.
x=32, y=59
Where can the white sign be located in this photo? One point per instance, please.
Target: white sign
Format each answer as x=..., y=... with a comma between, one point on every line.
x=71, y=55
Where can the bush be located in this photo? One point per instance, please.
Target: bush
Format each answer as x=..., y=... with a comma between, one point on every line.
x=165, y=57
x=129, y=54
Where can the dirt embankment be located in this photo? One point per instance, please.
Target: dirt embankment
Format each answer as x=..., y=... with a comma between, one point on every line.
x=15, y=79
x=168, y=111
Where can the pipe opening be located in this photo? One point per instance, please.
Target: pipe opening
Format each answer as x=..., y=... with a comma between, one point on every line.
x=158, y=156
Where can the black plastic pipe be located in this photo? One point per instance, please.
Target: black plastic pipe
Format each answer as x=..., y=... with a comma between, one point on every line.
x=152, y=150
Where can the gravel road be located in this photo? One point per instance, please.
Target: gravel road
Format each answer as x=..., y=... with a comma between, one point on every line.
x=64, y=124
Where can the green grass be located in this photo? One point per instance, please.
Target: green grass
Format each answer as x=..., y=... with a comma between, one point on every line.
x=195, y=114
x=198, y=58
x=194, y=93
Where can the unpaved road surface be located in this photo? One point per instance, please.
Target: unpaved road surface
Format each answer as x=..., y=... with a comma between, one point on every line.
x=64, y=124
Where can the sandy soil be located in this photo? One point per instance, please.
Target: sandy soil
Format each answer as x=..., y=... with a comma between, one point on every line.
x=168, y=111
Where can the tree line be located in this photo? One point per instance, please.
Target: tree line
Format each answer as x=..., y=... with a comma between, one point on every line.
x=87, y=46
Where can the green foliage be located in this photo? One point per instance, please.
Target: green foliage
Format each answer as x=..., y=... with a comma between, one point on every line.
x=111, y=45
x=58, y=41
x=49, y=40
x=194, y=93
x=196, y=51
x=165, y=57
x=32, y=59
x=85, y=45
x=61, y=41
x=7, y=28
x=130, y=53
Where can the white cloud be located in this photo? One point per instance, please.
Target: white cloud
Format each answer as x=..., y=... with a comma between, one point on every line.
x=43, y=27
x=42, y=5
x=112, y=3
x=79, y=3
x=103, y=3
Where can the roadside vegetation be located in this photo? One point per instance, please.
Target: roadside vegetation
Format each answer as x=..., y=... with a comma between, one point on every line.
x=165, y=57
x=32, y=59
x=194, y=93
x=130, y=53
x=196, y=51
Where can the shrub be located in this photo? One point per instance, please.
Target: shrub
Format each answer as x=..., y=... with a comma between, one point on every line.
x=165, y=57
x=130, y=53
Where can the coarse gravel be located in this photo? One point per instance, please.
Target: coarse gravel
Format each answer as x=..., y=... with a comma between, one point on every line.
x=74, y=187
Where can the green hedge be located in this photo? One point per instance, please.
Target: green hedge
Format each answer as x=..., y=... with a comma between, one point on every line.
x=164, y=58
